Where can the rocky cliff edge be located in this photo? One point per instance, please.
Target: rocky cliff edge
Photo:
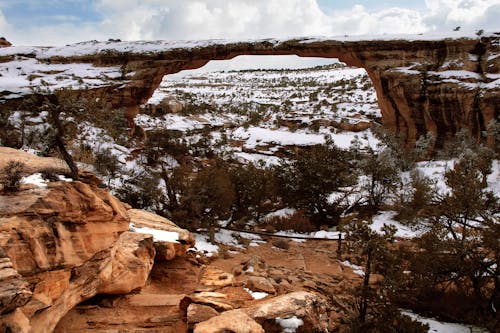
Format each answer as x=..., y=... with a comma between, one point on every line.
x=63, y=242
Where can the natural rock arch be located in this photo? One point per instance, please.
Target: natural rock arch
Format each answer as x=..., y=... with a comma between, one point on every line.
x=423, y=85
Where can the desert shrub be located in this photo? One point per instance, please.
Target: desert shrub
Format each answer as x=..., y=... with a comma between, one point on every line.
x=142, y=192
x=11, y=176
x=388, y=320
x=281, y=243
x=106, y=163
x=296, y=222
x=415, y=197
x=50, y=174
x=256, y=189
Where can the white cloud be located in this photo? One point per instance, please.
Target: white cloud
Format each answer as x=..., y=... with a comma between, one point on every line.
x=4, y=26
x=204, y=19
x=469, y=14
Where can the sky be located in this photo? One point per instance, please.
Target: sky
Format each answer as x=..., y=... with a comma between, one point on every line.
x=59, y=22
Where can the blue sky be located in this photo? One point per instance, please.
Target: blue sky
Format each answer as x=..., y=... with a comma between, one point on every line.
x=56, y=22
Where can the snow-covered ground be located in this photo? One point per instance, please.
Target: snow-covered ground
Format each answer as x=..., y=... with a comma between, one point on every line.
x=402, y=231
x=264, y=111
x=436, y=326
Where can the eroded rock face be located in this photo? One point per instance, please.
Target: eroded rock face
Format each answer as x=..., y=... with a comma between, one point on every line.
x=164, y=250
x=423, y=84
x=66, y=242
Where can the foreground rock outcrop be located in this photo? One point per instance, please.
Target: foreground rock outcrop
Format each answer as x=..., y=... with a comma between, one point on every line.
x=63, y=243
x=424, y=84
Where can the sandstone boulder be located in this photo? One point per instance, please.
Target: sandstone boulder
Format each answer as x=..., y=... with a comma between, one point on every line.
x=258, y=283
x=310, y=308
x=68, y=242
x=217, y=301
x=132, y=261
x=236, y=321
x=197, y=313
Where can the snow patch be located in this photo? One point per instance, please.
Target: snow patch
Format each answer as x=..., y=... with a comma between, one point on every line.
x=256, y=294
x=35, y=179
x=291, y=324
x=356, y=269
x=436, y=326
x=203, y=245
x=387, y=218
x=158, y=235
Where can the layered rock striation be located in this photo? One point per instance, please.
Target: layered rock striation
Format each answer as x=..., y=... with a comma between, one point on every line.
x=424, y=84
x=64, y=242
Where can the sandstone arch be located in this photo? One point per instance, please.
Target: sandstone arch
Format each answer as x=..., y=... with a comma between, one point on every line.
x=423, y=84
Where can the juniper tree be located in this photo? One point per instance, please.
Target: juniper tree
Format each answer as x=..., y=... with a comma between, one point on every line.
x=375, y=311
x=309, y=180
x=461, y=251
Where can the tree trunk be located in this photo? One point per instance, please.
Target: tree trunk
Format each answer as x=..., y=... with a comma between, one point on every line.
x=211, y=233
x=363, y=308
x=59, y=141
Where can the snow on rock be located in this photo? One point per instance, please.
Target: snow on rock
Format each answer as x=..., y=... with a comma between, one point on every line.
x=256, y=294
x=356, y=269
x=291, y=324
x=203, y=245
x=64, y=178
x=158, y=235
x=35, y=179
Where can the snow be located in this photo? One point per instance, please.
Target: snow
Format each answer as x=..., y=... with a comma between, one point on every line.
x=356, y=269
x=256, y=294
x=282, y=213
x=494, y=178
x=203, y=245
x=315, y=234
x=35, y=179
x=64, y=178
x=436, y=326
x=228, y=237
x=291, y=324
x=23, y=75
x=158, y=235
x=327, y=234
x=257, y=159
x=387, y=218
x=254, y=136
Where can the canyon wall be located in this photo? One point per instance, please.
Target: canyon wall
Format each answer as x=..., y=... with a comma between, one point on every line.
x=423, y=84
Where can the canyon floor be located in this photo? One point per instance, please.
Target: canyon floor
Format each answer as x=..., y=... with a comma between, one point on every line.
x=311, y=265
